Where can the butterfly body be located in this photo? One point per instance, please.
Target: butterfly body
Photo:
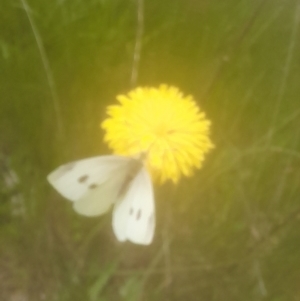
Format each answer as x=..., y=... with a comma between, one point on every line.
x=95, y=184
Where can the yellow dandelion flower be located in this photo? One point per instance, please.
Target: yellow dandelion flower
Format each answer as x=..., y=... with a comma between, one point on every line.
x=164, y=125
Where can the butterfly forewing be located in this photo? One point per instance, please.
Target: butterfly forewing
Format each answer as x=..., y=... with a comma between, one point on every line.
x=100, y=197
x=75, y=179
x=134, y=212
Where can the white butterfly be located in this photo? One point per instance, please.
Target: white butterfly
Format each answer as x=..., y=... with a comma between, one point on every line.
x=95, y=184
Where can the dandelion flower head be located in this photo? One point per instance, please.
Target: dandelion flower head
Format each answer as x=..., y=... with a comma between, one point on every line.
x=162, y=123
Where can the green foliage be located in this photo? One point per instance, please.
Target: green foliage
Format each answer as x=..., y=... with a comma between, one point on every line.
x=231, y=232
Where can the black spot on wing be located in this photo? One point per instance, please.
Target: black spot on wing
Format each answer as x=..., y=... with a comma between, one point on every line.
x=83, y=179
x=137, y=214
x=93, y=186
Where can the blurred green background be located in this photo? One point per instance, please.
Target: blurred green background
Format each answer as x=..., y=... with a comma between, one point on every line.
x=232, y=231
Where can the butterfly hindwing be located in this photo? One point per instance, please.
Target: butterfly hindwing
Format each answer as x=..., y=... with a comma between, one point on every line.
x=134, y=213
x=99, y=199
